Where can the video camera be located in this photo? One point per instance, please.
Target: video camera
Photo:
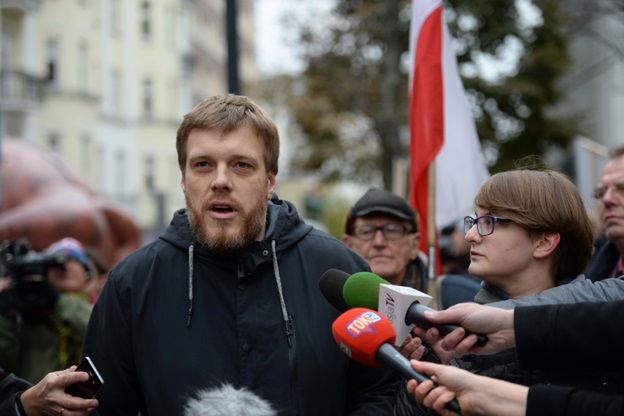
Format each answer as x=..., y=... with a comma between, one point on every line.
x=18, y=260
x=27, y=269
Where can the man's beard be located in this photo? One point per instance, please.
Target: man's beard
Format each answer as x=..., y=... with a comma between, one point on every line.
x=217, y=237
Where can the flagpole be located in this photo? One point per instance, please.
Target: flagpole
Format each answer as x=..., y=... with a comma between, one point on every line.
x=431, y=233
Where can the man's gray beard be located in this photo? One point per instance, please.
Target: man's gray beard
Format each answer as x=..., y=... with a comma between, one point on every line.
x=220, y=242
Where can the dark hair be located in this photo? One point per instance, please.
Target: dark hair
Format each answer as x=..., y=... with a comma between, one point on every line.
x=543, y=201
x=226, y=113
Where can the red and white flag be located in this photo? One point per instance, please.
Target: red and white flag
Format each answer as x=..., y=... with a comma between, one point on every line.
x=441, y=122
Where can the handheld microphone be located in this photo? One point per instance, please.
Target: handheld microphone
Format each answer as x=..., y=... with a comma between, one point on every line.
x=403, y=306
x=367, y=337
x=226, y=400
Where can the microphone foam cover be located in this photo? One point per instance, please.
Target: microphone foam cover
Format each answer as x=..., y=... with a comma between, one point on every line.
x=359, y=332
x=362, y=290
x=331, y=284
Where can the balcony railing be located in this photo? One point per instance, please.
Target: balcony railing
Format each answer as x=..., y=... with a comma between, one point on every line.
x=19, y=89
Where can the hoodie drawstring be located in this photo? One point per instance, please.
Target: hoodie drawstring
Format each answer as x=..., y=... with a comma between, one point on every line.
x=190, y=280
x=288, y=330
x=288, y=324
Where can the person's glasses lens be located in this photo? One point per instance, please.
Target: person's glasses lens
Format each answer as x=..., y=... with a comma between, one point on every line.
x=468, y=223
x=485, y=225
x=393, y=231
x=365, y=232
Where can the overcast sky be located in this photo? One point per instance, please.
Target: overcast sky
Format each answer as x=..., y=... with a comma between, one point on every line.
x=276, y=45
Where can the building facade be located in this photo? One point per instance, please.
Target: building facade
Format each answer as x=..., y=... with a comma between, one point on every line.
x=105, y=83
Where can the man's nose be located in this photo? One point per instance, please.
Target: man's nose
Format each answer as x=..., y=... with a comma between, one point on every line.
x=610, y=197
x=379, y=239
x=221, y=179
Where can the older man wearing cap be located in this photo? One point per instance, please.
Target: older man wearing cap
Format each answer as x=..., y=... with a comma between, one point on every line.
x=382, y=228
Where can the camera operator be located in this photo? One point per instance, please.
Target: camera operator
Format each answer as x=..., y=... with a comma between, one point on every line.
x=43, y=314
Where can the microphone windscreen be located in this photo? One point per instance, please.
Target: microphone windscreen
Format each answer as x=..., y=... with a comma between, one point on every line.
x=225, y=401
x=331, y=284
x=362, y=290
x=359, y=332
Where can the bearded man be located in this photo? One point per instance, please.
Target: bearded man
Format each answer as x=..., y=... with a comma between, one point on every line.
x=229, y=293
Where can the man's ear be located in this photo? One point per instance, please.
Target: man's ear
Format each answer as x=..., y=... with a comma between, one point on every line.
x=415, y=242
x=272, y=181
x=183, y=184
x=545, y=244
x=346, y=240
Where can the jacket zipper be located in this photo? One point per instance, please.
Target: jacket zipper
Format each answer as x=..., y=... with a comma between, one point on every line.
x=241, y=271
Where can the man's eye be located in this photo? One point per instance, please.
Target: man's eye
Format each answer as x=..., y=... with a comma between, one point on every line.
x=242, y=165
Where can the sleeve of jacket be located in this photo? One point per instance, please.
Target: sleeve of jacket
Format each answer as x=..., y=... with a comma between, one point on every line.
x=75, y=312
x=580, y=290
x=550, y=400
x=108, y=342
x=10, y=388
x=9, y=345
x=589, y=335
x=371, y=391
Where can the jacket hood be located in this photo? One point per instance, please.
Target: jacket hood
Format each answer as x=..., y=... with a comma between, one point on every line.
x=283, y=226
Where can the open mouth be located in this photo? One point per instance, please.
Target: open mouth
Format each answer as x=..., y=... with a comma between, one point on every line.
x=222, y=211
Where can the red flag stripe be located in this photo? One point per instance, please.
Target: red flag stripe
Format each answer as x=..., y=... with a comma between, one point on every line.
x=426, y=113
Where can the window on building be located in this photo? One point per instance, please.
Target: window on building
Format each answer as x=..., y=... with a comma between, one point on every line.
x=7, y=47
x=86, y=151
x=146, y=21
x=83, y=67
x=120, y=179
x=115, y=16
x=52, y=61
x=148, y=98
x=115, y=91
x=150, y=173
x=54, y=141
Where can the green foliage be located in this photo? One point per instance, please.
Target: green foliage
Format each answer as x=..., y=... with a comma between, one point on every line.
x=351, y=101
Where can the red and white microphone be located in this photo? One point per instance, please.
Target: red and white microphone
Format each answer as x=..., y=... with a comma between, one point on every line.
x=367, y=337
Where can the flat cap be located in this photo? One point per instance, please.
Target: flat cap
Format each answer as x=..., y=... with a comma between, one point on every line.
x=377, y=200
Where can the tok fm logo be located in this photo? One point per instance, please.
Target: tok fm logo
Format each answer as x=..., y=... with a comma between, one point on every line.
x=363, y=324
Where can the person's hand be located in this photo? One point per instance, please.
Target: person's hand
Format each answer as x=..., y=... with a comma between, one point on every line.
x=475, y=394
x=415, y=348
x=495, y=323
x=48, y=397
x=412, y=348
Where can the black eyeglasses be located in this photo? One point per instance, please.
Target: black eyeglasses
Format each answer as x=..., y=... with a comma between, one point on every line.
x=391, y=231
x=485, y=224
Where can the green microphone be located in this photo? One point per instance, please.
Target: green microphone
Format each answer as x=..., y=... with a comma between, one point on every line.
x=362, y=290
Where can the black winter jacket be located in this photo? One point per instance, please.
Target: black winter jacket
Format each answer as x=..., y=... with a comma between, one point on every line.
x=603, y=260
x=11, y=387
x=174, y=318
x=584, y=336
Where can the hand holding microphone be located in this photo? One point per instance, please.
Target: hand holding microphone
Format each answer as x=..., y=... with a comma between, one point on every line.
x=496, y=323
x=402, y=305
x=367, y=337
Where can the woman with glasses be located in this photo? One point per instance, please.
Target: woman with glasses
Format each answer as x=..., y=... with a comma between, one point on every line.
x=530, y=232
